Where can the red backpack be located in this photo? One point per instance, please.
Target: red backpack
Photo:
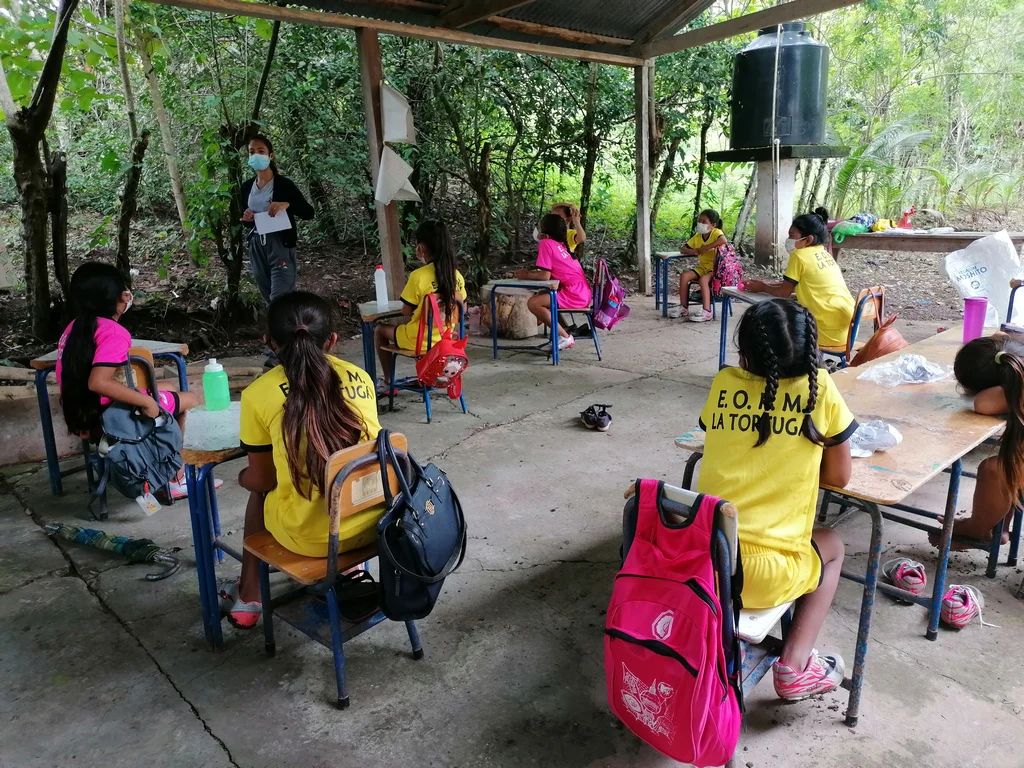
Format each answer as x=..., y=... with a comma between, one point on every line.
x=442, y=365
x=664, y=661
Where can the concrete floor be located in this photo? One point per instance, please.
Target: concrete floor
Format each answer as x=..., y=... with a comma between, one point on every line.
x=101, y=668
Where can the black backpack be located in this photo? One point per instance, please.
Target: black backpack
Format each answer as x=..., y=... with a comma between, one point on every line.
x=142, y=451
x=421, y=538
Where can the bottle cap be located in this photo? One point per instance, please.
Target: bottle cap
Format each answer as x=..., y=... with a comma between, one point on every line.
x=212, y=366
x=380, y=266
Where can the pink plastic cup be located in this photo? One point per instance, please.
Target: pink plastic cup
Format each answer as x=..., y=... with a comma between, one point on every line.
x=974, y=317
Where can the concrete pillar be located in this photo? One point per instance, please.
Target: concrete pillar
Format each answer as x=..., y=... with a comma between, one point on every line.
x=643, y=79
x=772, y=234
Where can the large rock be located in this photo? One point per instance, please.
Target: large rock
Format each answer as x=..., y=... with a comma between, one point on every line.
x=515, y=321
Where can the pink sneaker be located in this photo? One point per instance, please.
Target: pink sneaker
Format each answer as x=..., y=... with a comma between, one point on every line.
x=960, y=605
x=823, y=674
x=906, y=574
x=703, y=316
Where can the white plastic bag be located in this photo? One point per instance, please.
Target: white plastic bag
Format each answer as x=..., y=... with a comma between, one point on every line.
x=906, y=369
x=985, y=268
x=873, y=436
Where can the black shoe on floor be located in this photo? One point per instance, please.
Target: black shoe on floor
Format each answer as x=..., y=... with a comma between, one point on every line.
x=597, y=417
x=583, y=332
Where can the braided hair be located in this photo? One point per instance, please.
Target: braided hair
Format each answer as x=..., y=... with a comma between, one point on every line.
x=778, y=339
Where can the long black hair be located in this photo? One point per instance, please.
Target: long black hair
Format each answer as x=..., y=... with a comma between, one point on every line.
x=318, y=421
x=998, y=361
x=814, y=223
x=96, y=290
x=433, y=235
x=712, y=216
x=270, y=149
x=554, y=227
x=778, y=339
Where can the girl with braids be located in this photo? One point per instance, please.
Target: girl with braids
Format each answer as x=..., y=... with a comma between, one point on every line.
x=94, y=347
x=704, y=245
x=816, y=279
x=777, y=427
x=439, y=275
x=292, y=419
x=556, y=262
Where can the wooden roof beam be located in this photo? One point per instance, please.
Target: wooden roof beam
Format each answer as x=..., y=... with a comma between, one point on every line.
x=462, y=13
x=669, y=21
x=439, y=34
x=780, y=14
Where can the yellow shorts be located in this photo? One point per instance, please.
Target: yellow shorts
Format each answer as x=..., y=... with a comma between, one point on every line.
x=772, y=577
x=699, y=269
x=405, y=336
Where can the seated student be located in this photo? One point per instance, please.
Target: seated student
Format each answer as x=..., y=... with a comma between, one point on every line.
x=815, y=277
x=777, y=427
x=439, y=275
x=91, y=351
x=555, y=262
x=293, y=419
x=574, y=234
x=704, y=245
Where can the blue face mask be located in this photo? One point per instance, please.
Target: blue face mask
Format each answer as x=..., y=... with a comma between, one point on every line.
x=259, y=162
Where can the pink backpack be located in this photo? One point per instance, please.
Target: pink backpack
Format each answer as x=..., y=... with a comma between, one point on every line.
x=663, y=657
x=728, y=268
x=611, y=306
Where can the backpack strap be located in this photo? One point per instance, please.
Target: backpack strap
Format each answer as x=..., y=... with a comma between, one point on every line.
x=648, y=516
x=421, y=332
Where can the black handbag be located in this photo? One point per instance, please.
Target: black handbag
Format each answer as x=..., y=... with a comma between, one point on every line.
x=421, y=538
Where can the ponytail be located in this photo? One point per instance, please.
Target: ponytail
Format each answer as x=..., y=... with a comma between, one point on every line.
x=433, y=235
x=96, y=290
x=318, y=420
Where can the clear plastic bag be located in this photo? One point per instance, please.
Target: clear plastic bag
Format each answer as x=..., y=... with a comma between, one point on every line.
x=906, y=369
x=874, y=436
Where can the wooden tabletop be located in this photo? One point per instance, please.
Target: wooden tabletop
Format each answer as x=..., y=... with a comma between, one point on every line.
x=156, y=347
x=211, y=436
x=908, y=240
x=937, y=424
x=371, y=310
x=747, y=297
x=673, y=255
x=515, y=285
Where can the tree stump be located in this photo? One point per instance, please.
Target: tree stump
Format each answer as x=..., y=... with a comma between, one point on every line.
x=515, y=321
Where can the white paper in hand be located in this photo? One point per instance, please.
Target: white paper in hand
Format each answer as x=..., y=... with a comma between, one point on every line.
x=265, y=223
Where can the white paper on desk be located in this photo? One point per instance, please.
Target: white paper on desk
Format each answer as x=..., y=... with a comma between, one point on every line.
x=265, y=223
x=393, y=179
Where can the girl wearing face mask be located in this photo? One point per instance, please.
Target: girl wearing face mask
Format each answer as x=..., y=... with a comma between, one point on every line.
x=91, y=351
x=438, y=275
x=272, y=257
x=816, y=279
x=704, y=245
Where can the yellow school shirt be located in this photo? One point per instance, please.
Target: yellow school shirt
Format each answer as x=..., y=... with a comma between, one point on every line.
x=774, y=487
x=300, y=524
x=421, y=282
x=821, y=288
x=706, y=261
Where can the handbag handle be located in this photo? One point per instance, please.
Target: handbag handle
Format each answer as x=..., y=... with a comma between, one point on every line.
x=385, y=454
x=453, y=562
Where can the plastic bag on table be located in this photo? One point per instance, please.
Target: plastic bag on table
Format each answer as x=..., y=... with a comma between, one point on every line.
x=906, y=369
x=985, y=268
x=873, y=436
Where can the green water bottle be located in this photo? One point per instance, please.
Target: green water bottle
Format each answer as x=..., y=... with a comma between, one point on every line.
x=215, y=386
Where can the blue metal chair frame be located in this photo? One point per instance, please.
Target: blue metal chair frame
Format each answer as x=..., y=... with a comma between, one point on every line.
x=553, y=329
x=309, y=608
x=1014, y=285
x=56, y=474
x=855, y=327
x=413, y=384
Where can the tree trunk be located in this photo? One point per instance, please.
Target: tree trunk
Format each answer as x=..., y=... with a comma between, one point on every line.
x=163, y=120
x=58, y=173
x=592, y=142
x=739, y=235
x=702, y=165
x=129, y=204
x=33, y=194
x=122, y=63
x=668, y=172
x=483, y=218
x=811, y=197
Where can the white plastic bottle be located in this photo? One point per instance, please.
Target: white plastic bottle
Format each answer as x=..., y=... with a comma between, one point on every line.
x=380, y=284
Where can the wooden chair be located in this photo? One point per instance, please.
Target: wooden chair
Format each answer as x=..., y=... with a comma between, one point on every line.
x=411, y=383
x=353, y=476
x=870, y=305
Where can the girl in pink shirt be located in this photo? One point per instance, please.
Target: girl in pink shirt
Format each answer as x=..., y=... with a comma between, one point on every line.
x=555, y=262
x=91, y=350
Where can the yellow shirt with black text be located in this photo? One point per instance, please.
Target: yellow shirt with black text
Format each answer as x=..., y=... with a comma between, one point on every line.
x=706, y=260
x=820, y=287
x=775, y=486
x=421, y=282
x=300, y=524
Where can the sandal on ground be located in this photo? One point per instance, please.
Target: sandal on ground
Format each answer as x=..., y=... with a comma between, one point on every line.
x=357, y=595
x=179, y=488
x=597, y=417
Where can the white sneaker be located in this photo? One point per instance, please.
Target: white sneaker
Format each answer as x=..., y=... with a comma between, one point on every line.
x=677, y=310
x=566, y=342
x=701, y=317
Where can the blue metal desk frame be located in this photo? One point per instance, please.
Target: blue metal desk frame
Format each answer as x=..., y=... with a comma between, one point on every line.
x=553, y=340
x=369, y=351
x=46, y=419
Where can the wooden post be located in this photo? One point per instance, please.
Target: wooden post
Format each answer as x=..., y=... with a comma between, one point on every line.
x=642, y=81
x=370, y=74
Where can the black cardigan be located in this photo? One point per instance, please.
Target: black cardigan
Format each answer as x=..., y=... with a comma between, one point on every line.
x=284, y=191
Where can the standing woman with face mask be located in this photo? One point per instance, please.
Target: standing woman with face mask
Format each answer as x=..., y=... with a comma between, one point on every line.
x=816, y=279
x=272, y=256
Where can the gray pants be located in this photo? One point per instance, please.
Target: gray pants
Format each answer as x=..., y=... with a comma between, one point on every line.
x=274, y=267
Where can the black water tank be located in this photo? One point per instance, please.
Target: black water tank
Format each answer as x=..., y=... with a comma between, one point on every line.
x=802, y=89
